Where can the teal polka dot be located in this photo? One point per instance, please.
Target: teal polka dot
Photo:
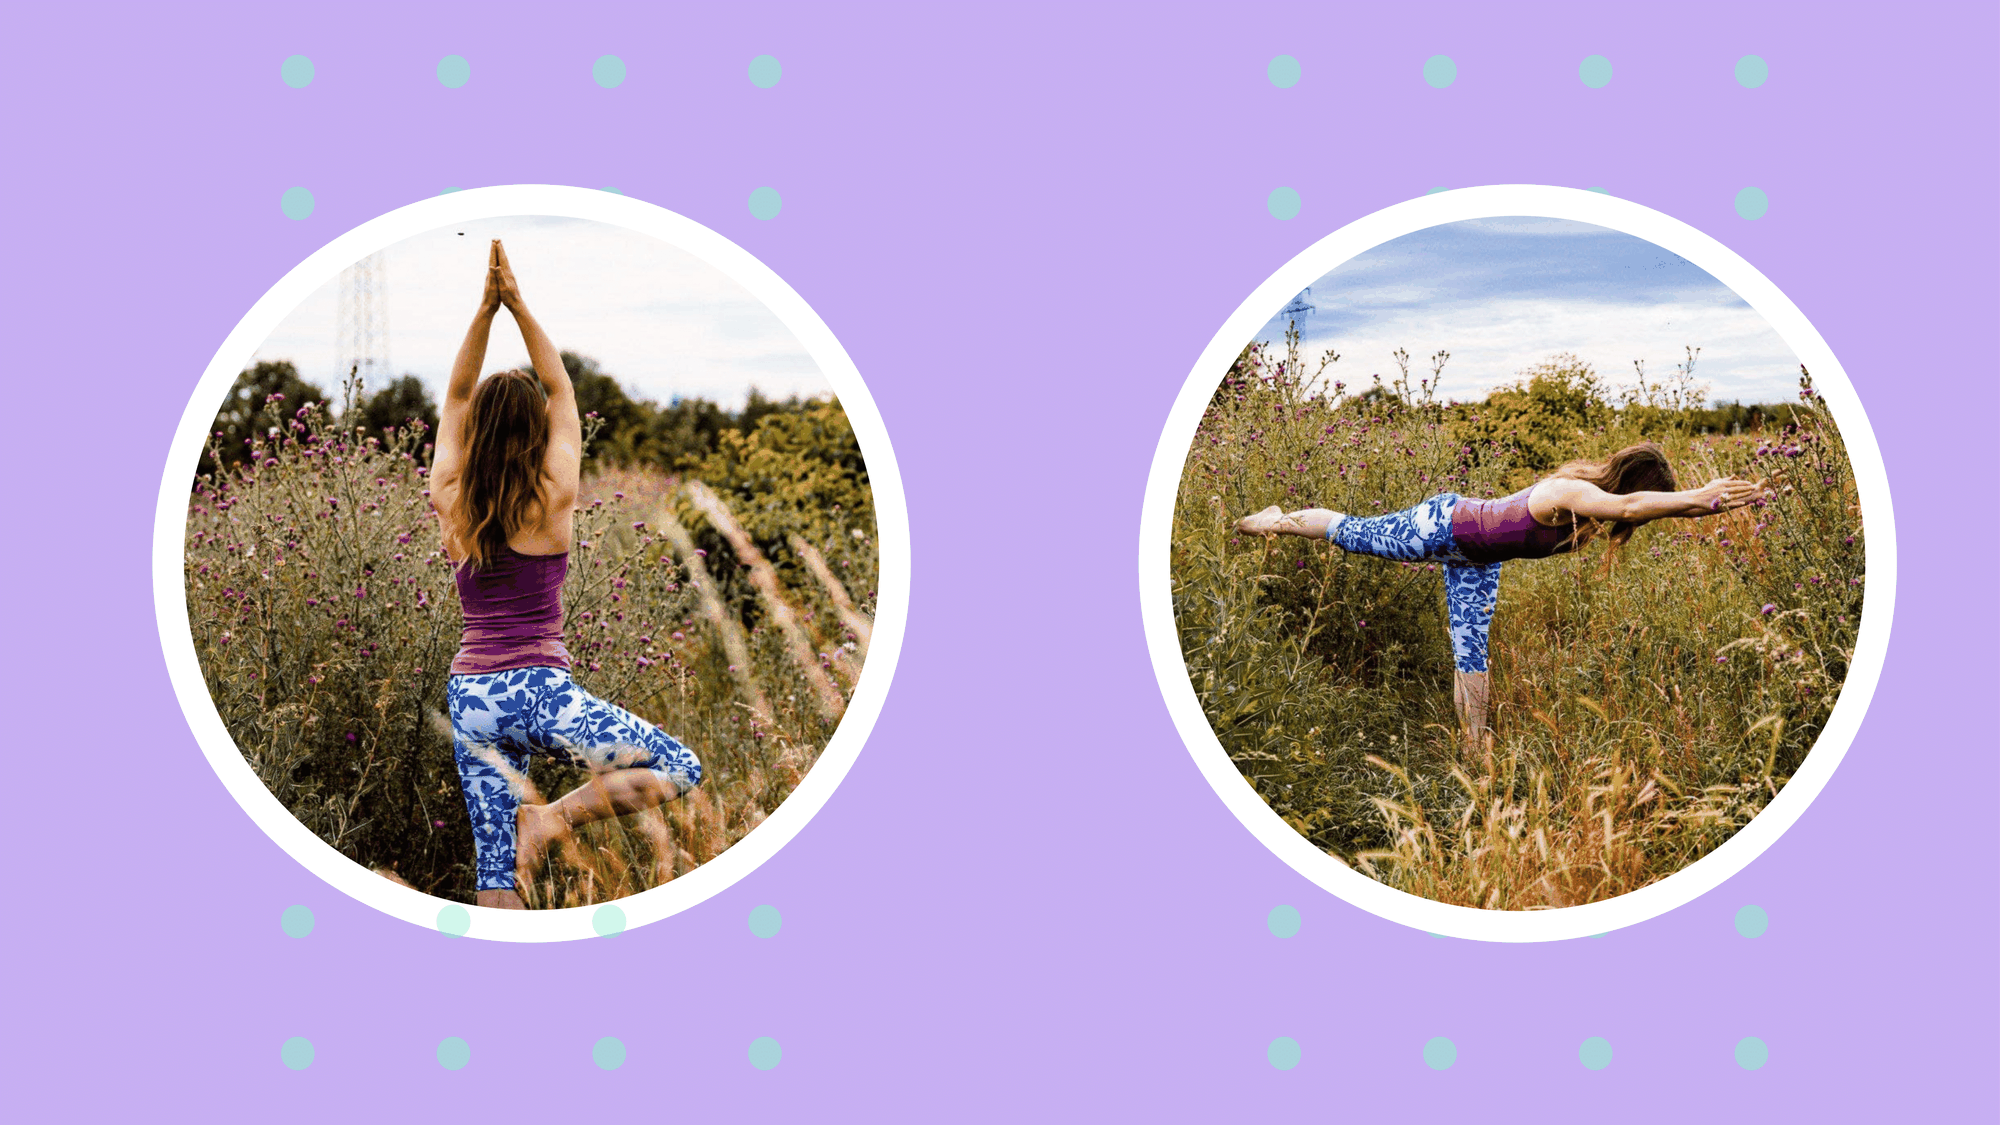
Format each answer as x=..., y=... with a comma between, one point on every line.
x=764, y=203
x=1595, y=72
x=1605, y=934
x=1601, y=191
x=454, y=920
x=764, y=921
x=1435, y=190
x=608, y=921
x=454, y=71
x=454, y=1053
x=609, y=71
x=449, y=190
x=1283, y=203
x=1440, y=71
x=297, y=72
x=1751, y=71
x=1751, y=1053
x=1440, y=1053
x=1283, y=1052
x=765, y=72
x=614, y=191
x=1751, y=921
x=608, y=1053
x=1283, y=921
x=765, y=1052
x=1751, y=203
x=296, y=921
x=297, y=1052
x=1595, y=1054
x=296, y=203
x=1284, y=72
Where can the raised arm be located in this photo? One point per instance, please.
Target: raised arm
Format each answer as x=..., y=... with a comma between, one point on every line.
x=1554, y=497
x=564, y=460
x=464, y=377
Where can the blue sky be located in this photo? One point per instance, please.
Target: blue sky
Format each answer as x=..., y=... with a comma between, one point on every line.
x=660, y=320
x=1503, y=294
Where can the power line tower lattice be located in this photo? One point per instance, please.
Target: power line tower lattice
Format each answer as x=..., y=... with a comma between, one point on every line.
x=361, y=334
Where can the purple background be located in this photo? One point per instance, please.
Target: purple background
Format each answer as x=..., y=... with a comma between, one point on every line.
x=1024, y=224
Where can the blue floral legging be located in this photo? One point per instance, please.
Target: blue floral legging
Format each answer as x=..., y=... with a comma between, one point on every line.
x=503, y=717
x=1423, y=532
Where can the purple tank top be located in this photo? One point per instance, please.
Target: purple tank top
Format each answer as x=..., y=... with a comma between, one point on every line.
x=513, y=613
x=1497, y=530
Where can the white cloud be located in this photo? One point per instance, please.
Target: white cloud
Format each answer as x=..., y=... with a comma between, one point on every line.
x=658, y=319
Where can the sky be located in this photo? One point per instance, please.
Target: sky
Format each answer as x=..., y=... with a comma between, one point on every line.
x=659, y=320
x=1504, y=294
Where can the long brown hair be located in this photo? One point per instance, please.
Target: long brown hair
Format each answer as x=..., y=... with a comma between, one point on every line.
x=506, y=436
x=1635, y=468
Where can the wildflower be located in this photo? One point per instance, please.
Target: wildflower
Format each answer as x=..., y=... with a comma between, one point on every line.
x=1722, y=659
x=351, y=738
x=596, y=667
x=678, y=635
x=700, y=553
x=437, y=824
x=618, y=496
x=638, y=525
x=1768, y=609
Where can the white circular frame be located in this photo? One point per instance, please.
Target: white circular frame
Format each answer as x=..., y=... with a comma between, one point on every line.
x=1156, y=583
x=892, y=530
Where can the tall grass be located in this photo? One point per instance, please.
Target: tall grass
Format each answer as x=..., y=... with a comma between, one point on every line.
x=325, y=618
x=1642, y=713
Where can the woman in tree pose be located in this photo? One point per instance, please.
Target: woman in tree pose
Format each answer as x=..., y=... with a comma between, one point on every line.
x=1472, y=538
x=504, y=485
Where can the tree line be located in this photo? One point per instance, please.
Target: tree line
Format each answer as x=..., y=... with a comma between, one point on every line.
x=635, y=431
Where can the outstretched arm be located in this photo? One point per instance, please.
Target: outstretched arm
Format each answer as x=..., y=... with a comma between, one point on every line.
x=564, y=460
x=465, y=376
x=1313, y=523
x=1552, y=498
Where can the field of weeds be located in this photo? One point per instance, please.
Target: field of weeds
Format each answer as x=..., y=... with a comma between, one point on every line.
x=1642, y=714
x=730, y=605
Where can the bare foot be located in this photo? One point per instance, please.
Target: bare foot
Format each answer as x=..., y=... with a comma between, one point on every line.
x=500, y=900
x=1262, y=523
x=535, y=828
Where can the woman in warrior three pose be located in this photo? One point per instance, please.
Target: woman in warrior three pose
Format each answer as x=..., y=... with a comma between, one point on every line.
x=504, y=484
x=1555, y=515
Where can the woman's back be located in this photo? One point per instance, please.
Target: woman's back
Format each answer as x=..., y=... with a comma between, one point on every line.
x=513, y=613
x=1497, y=530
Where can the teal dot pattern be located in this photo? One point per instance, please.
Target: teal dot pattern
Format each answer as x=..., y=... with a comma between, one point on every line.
x=1752, y=71
x=765, y=921
x=1595, y=72
x=297, y=72
x=1283, y=203
x=1440, y=1053
x=297, y=1052
x=1284, y=72
x=1440, y=71
x=454, y=71
x=608, y=1053
x=1751, y=1053
x=1435, y=190
x=296, y=921
x=296, y=203
x=453, y=1053
x=764, y=1052
x=765, y=203
x=608, y=920
x=1600, y=191
x=1751, y=921
x=765, y=72
x=1283, y=1052
x=454, y=920
x=608, y=71
x=1283, y=921
x=1751, y=203
x=1594, y=1054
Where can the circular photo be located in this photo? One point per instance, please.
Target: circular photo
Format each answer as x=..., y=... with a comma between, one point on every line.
x=532, y=562
x=1517, y=563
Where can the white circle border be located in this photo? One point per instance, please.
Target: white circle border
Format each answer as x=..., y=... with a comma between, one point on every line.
x=892, y=536
x=1156, y=583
